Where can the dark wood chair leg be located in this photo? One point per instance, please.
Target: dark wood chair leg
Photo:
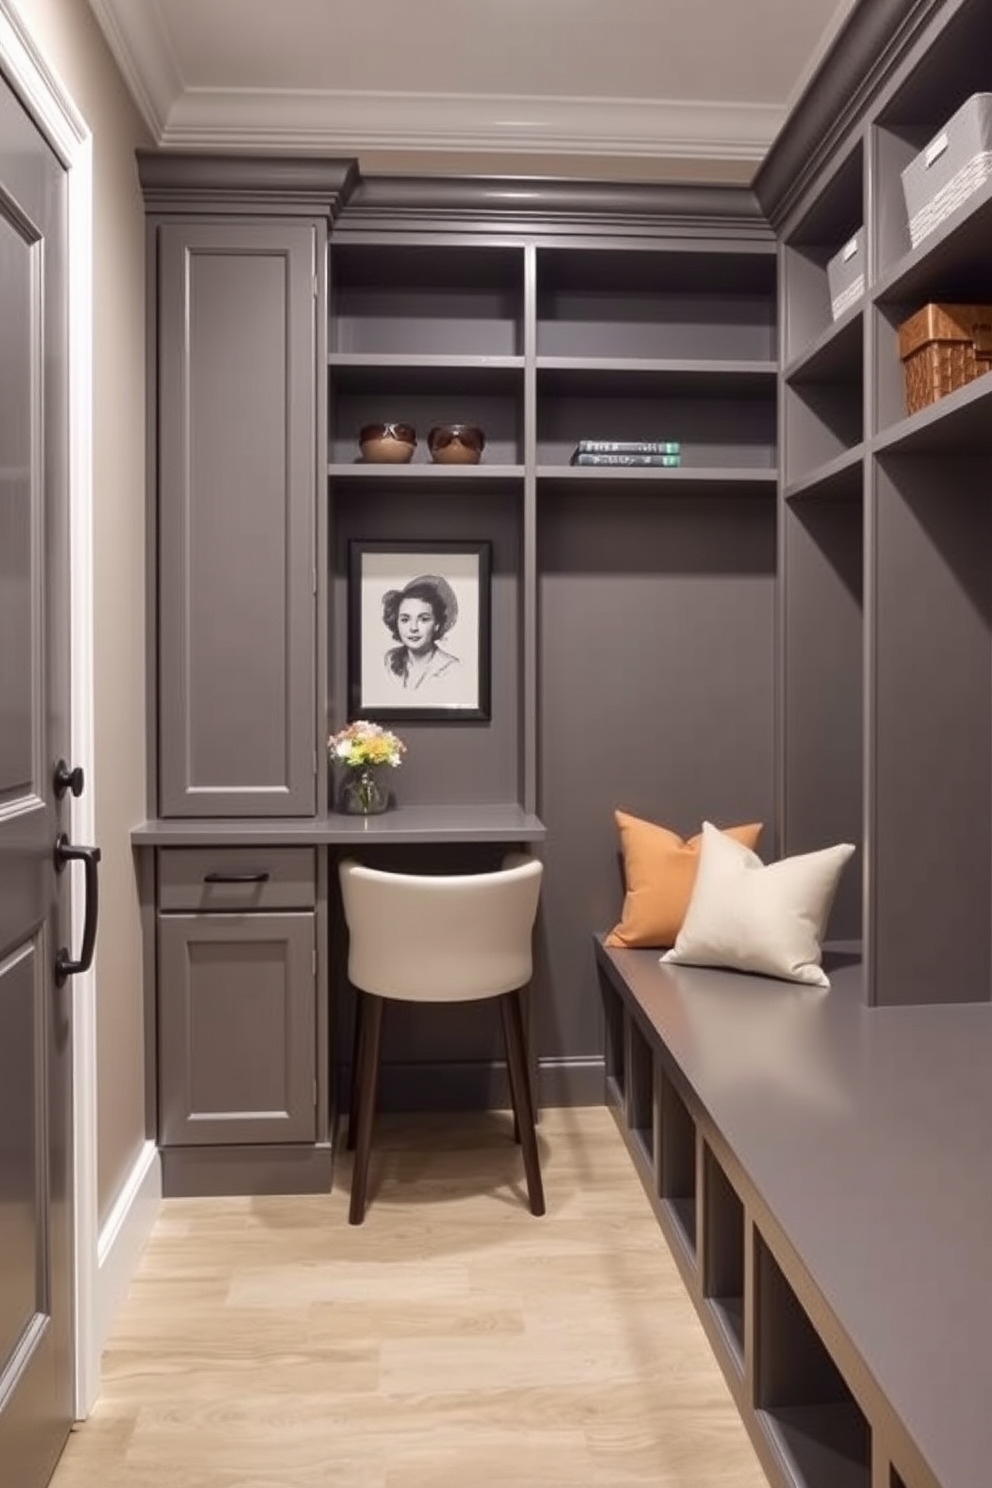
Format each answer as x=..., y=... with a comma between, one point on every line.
x=523, y=1106
x=368, y=1079
x=356, y=1065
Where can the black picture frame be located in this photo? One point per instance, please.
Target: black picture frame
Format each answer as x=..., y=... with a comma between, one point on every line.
x=391, y=680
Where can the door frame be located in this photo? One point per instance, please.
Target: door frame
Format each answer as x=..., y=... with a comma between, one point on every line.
x=59, y=121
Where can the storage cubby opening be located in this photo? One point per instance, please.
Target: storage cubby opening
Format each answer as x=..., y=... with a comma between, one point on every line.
x=801, y=1398
x=956, y=63
x=640, y=1091
x=835, y=356
x=895, y=1481
x=614, y=1044
x=822, y=421
x=723, y=1263
x=969, y=430
x=832, y=220
x=677, y=1166
x=933, y=724
x=426, y=299
x=823, y=695
x=657, y=304
x=713, y=429
x=424, y=398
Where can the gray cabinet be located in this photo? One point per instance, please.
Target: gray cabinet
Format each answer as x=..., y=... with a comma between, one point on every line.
x=237, y=373
x=237, y=985
x=236, y=1029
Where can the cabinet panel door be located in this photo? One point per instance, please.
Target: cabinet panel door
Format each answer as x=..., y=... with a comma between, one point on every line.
x=237, y=486
x=236, y=997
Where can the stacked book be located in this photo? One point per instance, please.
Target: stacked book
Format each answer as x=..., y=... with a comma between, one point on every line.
x=663, y=452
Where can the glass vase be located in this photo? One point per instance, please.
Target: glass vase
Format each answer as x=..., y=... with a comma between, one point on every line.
x=364, y=792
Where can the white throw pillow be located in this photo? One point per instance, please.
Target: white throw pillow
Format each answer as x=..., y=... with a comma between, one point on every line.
x=750, y=916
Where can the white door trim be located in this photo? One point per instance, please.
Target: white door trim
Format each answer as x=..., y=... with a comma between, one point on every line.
x=58, y=119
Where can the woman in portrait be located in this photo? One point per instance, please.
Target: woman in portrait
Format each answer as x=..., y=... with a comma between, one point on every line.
x=418, y=617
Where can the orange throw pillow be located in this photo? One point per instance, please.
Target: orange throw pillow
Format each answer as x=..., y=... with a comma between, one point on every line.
x=659, y=869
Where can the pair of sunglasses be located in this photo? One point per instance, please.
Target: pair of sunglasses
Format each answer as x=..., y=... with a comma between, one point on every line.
x=467, y=435
x=405, y=433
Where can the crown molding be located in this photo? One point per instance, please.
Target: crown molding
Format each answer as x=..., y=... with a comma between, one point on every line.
x=139, y=41
x=351, y=123
x=178, y=182
x=867, y=47
x=486, y=204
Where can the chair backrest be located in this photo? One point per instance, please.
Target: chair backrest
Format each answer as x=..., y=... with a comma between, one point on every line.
x=441, y=938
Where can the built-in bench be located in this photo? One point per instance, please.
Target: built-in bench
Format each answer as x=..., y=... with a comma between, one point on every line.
x=822, y=1171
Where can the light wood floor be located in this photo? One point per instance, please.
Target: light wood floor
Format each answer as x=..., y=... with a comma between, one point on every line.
x=452, y=1341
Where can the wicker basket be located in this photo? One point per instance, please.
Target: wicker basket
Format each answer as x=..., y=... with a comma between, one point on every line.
x=943, y=347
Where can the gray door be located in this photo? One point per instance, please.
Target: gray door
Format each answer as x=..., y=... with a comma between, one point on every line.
x=35, y=1030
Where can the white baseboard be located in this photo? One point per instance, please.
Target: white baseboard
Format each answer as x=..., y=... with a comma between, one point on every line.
x=122, y=1239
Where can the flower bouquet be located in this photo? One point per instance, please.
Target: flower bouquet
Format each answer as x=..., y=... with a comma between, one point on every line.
x=361, y=749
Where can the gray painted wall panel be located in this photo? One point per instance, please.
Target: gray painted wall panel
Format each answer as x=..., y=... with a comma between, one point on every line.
x=656, y=660
x=931, y=783
x=461, y=761
x=822, y=698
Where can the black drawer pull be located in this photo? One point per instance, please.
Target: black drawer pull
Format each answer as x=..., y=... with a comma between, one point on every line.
x=236, y=878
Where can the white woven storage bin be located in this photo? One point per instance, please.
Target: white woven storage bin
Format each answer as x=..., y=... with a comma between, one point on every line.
x=846, y=275
x=954, y=164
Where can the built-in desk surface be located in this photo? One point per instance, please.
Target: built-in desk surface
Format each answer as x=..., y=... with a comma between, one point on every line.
x=497, y=823
x=868, y=1134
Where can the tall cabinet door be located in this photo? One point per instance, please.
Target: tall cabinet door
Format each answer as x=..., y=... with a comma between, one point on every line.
x=236, y=544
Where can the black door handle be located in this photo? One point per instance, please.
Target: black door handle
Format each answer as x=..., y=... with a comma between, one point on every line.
x=65, y=779
x=89, y=857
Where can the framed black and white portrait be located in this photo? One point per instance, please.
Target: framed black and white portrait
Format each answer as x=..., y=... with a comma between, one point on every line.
x=419, y=630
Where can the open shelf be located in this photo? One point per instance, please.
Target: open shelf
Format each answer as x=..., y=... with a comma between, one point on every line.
x=715, y=428
x=640, y=1092
x=822, y=1446
x=614, y=1047
x=690, y=377
x=683, y=480
x=958, y=424
x=425, y=299
x=841, y=478
x=425, y=399
x=832, y=218
x=677, y=1165
x=836, y=353
x=656, y=302
x=723, y=1260
x=802, y=1401
x=954, y=257
x=823, y=421
x=422, y=476
x=955, y=63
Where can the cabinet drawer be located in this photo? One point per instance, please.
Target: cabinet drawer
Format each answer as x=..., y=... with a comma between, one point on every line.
x=212, y=880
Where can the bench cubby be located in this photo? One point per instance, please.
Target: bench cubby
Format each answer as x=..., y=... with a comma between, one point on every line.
x=724, y=1237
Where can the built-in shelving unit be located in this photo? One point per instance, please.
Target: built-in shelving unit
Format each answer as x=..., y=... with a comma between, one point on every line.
x=653, y=320
x=886, y=608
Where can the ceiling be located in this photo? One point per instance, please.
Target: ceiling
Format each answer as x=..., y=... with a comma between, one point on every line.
x=628, y=89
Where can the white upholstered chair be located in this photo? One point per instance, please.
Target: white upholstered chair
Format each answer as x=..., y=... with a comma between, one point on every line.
x=439, y=938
